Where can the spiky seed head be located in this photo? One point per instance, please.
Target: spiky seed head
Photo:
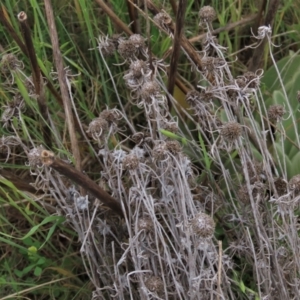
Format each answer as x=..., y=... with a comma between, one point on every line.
x=97, y=128
x=252, y=80
x=127, y=49
x=110, y=115
x=203, y=225
x=192, y=97
x=163, y=20
x=130, y=162
x=148, y=90
x=173, y=146
x=137, y=40
x=155, y=284
x=138, y=137
x=171, y=126
x=294, y=184
x=207, y=14
x=244, y=196
x=281, y=186
x=255, y=171
x=275, y=113
x=34, y=157
x=10, y=62
x=160, y=150
x=145, y=223
x=106, y=46
x=231, y=131
x=138, y=68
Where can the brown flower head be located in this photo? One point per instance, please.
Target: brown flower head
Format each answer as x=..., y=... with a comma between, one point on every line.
x=127, y=49
x=275, y=113
x=155, y=284
x=207, y=14
x=231, y=131
x=203, y=225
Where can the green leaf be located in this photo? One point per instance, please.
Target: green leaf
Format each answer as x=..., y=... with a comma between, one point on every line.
x=37, y=271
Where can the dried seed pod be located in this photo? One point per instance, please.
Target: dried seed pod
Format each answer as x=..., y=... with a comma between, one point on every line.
x=203, y=225
x=281, y=186
x=110, y=115
x=34, y=157
x=207, y=14
x=138, y=41
x=155, y=284
x=148, y=90
x=130, y=162
x=9, y=62
x=127, y=49
x=107, y=46
x=231, y=131
x=163, y=20
x=275, y=113
x=173, y=146
x=145, y=223
x=98, y=128
x=192, y=97
x=294, y=184
x=252, y=80
x=160, y=150
x=139, y=68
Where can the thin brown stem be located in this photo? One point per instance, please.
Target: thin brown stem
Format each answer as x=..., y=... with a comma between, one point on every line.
x=134, y=21
x=63, y=83
x=176, y=47
x=36, y=77
x=228, y=27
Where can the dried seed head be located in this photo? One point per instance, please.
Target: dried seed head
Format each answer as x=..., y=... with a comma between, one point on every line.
x=208, y=41
x=130, y=162
x=34, y=157
x=192, y=97
x=173, y=146
x=243, y=194
x=294, y=184
x=231, y=131
x=9, y=62
x=106, y=46
x=171, y=126
x=110, y=115
x=145, y=223
x=155, y=284
x=252, y=80
x=30, y=86
x=163, y=20
x=160, y=150
x=138, y=41
x=210, y=64
x=281, y=186
x=275, y=113
x=139, y=68
x=127, y=49
x=98, y=128
x=255, y=171
x=207, y=14
x=138, y=137
x=203, y=225
x=148, y=90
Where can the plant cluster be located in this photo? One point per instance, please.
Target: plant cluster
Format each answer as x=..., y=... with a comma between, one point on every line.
x=178, y=204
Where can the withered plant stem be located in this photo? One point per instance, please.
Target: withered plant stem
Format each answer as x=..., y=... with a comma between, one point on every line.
x=36, y=77
x=256, y=61
x=133, y=15
x=49, y=160
x=115, y=19
x=228, y=27
x=176, y=47
x=14, y=35
x=63, y=83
